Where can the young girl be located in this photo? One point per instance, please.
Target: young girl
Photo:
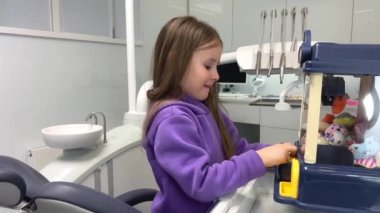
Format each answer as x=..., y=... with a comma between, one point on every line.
x=193, y=148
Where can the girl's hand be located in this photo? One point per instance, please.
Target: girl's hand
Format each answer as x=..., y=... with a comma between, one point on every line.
x=277, y=154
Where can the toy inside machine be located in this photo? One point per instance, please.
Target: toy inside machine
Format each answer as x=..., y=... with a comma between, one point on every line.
x=337, y=167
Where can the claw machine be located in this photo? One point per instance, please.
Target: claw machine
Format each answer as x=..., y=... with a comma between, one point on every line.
x=337, y=167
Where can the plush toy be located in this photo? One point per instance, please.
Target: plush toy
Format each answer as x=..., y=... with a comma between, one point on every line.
x=323, y=126
x=338, y=104
x=335, y=138
x=367, y=153
x=328, y=118
x=322, y=140
x=350, y=139
x=377, y=159
x=336, y=135
x=368, y=163
x=345, y=119
x=360, y=128
x=325, y=122
x=335, y=127
x=369, y=148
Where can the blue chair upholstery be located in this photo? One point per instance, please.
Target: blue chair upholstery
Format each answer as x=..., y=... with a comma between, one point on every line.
x=81, y=196
x=32, y=178
x=24, y=183
x=12, y=188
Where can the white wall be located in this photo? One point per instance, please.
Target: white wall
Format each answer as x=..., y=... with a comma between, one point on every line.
x=52, y=81
x=155, y=15
x=47, y=81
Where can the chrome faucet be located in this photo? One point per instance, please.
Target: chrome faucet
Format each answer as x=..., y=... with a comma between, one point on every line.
x=93, y=115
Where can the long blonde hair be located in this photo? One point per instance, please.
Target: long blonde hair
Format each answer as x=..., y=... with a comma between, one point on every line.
x=175, y=45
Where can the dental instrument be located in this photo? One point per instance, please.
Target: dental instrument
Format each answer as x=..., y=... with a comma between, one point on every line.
x=293, y=47
x=304, y=13
x=284, y=13
x=273, y=16
x=259, y=52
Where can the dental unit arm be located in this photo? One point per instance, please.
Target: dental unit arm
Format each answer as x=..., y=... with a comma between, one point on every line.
x=282, y=105
x=245, y=56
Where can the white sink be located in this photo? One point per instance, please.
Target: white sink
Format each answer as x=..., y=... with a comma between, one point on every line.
x=72, y=136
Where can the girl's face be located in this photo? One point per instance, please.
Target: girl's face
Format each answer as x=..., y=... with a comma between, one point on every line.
x=201, y=73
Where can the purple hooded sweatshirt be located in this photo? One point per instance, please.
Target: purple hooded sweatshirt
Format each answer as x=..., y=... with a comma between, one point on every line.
x=184, y=149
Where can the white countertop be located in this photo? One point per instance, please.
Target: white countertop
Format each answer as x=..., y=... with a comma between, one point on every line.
x=255, y=196
x=236, y=97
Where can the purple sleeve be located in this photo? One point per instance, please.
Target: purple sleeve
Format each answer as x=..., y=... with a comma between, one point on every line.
x=180, y=154
x=241, y=144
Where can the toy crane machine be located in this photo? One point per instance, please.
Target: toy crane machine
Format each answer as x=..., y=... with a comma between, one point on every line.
x=337, y=166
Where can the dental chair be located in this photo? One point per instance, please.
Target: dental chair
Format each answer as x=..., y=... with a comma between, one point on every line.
x=23, y=187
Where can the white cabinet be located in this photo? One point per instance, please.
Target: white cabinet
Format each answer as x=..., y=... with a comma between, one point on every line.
x=275, y=126
x=270, y=135
x=242, y=112
x=270, y=117
x=279, y=126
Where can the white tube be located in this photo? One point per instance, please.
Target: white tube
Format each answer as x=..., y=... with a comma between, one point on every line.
x=131, y=60
x=288, y=88
x=282, y=105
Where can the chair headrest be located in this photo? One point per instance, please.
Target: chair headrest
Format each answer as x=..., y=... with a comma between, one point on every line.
x=32, y=178
x=12, y=188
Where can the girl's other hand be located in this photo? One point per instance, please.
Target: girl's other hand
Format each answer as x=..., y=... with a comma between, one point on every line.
x=277, y=154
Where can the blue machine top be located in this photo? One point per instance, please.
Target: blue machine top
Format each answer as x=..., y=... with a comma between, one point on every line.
x=339, y=59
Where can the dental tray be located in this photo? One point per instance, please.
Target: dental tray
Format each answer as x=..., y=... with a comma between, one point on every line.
x=323, y=178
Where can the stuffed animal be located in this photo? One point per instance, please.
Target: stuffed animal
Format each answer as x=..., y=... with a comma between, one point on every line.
x=368, y=163
x=377, y=159
x=360, y=128
x=336, y=135
x=322, y=140
x=350, y=139
x=323, y=126
x=367, y=154
x=338, y=104
x=345, y=119
x=328, y=118
x=369, y=148
x=335, y=138
x=335, y=127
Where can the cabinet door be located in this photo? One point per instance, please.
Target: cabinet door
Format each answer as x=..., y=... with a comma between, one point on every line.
x=269, y=117
x=279, y=126
x=366, y=22
x=218, y=13
x=269, y=135
x=328, y=20
x=242, y=112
